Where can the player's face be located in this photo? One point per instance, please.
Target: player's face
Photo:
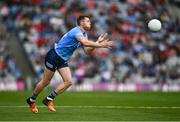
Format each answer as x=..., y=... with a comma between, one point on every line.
x=86, y=23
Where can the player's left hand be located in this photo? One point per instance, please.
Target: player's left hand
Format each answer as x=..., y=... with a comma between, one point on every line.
x=102, y=38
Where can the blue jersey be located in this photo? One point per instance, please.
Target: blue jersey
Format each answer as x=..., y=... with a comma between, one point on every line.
x=69, y=43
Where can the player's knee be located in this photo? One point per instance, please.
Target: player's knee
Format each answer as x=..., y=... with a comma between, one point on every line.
x=68, y=83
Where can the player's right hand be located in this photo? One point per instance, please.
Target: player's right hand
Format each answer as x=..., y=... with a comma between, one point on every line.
x=106, y=43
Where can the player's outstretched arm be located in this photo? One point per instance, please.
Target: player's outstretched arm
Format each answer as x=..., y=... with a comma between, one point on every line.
x=97, y=44
x=102, y=42
x=88, y=43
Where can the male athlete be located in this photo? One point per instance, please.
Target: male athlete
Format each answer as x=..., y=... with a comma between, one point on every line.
x=56, y=59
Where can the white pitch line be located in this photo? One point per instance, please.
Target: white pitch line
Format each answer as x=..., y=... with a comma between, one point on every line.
x=101, y=107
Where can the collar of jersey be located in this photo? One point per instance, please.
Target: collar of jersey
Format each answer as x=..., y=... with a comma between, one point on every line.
x=81, y=29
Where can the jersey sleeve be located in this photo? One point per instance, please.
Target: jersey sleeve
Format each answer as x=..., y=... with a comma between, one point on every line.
x=78, y=34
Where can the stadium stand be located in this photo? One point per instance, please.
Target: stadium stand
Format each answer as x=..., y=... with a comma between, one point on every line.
x=139, y=56
x=10, y=74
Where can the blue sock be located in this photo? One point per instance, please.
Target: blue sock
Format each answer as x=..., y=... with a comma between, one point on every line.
x=34, y=96
x=52, y=96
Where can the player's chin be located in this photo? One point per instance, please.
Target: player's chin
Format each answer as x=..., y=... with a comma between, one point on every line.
x=88, y=28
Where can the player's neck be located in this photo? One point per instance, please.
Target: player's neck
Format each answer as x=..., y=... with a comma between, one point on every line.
x=82, y=29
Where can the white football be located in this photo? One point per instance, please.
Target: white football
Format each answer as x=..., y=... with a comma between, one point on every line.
x=154, y=25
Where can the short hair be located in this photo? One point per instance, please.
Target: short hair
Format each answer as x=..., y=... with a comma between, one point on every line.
x=80, y=18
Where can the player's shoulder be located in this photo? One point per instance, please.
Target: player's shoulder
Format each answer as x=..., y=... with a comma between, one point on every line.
x=75, y=29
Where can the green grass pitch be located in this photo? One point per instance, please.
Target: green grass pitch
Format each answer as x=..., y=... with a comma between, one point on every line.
x=94, y=106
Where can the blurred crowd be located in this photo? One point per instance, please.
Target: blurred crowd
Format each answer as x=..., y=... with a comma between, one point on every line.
x=9, y=72
x=175, y=2
x=138, y=55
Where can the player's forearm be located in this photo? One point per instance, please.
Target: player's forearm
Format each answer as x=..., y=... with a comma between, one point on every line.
x=89, y=49
x=92, y=44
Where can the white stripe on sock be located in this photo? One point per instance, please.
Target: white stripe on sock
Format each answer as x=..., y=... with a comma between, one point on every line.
x=49, y=98
x=32, y=100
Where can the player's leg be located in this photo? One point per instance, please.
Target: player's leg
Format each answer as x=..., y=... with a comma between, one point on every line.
x=44, y=82
x=39, y=87
x=67, y=82
x=50, y=68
